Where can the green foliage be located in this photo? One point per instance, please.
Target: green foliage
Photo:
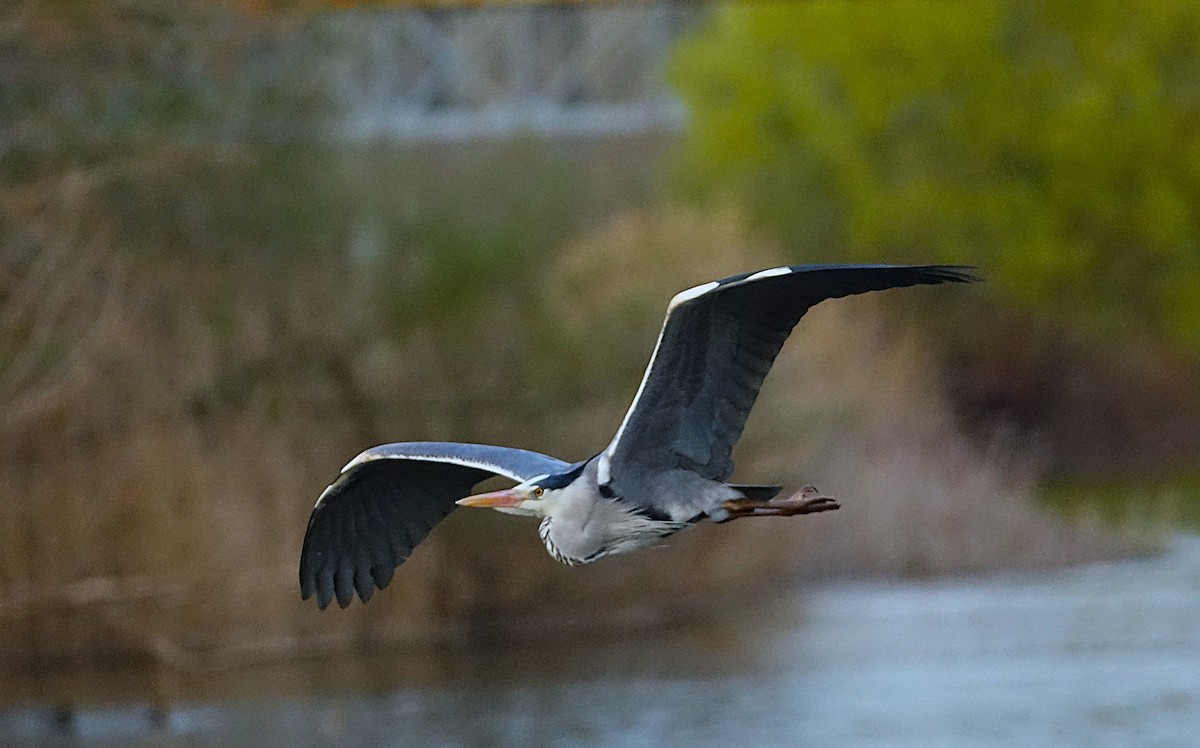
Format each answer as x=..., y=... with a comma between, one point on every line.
x=450, y=232
x=1166, y=502
x=1057, y=146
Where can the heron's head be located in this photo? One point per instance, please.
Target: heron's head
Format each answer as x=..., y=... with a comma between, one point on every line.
x=535, y=497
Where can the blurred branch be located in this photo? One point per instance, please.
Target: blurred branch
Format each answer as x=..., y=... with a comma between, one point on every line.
x=286, y=360
x=91, y=592
x=126, y=590
x=169, y=653
x=111, y=598
x=59, y=298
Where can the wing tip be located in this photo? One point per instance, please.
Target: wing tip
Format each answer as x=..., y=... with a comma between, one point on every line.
x=344, y=597
x=323, y=599
x=955, y=273
x=331, y=585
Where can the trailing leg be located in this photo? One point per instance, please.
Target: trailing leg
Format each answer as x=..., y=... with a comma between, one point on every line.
x=808, y=501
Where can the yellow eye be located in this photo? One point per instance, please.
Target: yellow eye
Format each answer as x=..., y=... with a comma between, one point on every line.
x=537, y=492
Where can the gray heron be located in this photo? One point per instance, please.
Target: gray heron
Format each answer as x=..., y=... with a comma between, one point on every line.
x=665, y=469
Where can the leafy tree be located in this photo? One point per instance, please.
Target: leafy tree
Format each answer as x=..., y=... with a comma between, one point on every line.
x=1054, y=144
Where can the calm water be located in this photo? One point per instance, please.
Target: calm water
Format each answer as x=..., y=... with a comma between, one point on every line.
x=1104, y=655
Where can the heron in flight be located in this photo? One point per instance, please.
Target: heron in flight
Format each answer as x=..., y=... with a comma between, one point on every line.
x=665, y=469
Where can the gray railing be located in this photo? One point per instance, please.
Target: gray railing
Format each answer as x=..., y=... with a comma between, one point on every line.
x=479, y=73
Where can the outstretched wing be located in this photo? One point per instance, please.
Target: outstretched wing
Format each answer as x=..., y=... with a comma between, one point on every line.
x=716, y=346
x=386, y=500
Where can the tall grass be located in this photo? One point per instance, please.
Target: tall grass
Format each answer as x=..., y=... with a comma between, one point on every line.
x=161, y=455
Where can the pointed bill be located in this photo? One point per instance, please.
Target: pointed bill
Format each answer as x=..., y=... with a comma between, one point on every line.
x=493, y=500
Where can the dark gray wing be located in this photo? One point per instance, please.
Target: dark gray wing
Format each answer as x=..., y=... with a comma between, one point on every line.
x=386, y=500
x=716, y=346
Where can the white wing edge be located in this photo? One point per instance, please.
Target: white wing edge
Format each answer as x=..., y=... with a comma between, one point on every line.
x=367, y=456
x=394, y=452
x=603, y=469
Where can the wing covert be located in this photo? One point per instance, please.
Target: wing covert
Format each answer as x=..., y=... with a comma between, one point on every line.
x=385, y=502
x=717, y=344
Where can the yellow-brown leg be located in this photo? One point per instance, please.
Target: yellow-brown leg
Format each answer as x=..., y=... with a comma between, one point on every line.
x=808, y=501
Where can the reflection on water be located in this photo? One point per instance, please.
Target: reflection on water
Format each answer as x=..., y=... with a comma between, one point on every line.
x=1100, y=655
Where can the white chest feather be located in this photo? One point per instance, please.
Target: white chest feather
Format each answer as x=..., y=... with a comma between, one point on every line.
x=581, y=527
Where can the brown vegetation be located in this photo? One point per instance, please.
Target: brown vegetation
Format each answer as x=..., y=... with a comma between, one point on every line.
x=167, y=426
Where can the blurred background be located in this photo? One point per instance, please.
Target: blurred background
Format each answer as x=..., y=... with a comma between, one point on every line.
x=241, y=241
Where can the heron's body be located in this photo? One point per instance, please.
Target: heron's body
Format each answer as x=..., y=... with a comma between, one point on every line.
x=665, y=468
x=581, y=525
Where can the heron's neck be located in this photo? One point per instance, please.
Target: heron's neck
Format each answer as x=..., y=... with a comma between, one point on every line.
x=567, y=529
x=581, y=525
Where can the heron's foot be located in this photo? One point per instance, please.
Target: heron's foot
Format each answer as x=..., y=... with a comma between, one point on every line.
x=808, y=501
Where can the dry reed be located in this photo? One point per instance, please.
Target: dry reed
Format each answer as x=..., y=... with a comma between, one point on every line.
x=162, y=453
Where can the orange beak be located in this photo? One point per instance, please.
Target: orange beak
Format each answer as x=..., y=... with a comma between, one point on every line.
x=493, y=500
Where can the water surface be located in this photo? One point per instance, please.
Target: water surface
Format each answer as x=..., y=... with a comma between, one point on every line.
x=1102, y=655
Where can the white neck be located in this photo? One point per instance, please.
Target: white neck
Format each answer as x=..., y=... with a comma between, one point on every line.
x=582, y=526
